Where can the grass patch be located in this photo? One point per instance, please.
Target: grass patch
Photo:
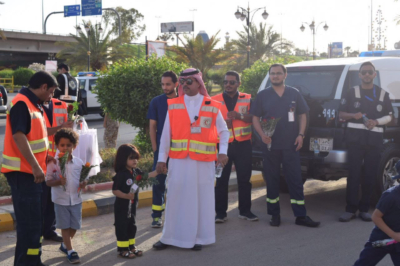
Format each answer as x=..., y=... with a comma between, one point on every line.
x=5, y=189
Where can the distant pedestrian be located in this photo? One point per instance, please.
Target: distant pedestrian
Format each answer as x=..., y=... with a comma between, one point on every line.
x=366, y=108
x=64, y=191
x=111, y=128
x=387, y=227
x=287, y=104
x=125, y=166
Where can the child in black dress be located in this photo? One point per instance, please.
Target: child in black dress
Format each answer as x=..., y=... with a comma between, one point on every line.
x=126, y=200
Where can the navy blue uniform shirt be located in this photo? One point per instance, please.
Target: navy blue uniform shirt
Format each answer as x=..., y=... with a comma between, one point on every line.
x=49, y=112
x=230, y=102
x=389, y=205
x=268, y=104
x=158, y=111
x=19, y=114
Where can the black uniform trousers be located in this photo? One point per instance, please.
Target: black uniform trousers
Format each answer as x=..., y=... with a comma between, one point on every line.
x=158, y=191
x=367, y=157
x=49, y=216
x=370, y=256
x=290, y=161
x=239, y=153
x=125, y=228
x=27, y=203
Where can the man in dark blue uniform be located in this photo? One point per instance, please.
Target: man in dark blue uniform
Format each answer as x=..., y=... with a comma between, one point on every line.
x=157, y=112
x=286, y=104
x=366, y=108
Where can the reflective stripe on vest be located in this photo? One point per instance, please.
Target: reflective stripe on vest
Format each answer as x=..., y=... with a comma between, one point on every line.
x=202, y=147
x=59, y=111
x=176, y=106
x=362, y=126
x=11, y=163
x=179, y=145
x=210, y=109
x=39, y=145
x=242, y=131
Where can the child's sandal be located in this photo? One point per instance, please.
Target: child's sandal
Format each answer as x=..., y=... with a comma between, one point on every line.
x=126, y=255
x=137, y=252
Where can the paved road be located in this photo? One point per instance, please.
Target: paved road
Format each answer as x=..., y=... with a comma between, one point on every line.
x=239, y=242
x=125, y=135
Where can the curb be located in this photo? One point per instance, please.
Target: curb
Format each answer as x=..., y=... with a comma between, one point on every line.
x=106, y=205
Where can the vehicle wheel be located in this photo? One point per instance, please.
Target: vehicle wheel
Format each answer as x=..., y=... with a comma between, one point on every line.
x=4, y=93
x=390, y=156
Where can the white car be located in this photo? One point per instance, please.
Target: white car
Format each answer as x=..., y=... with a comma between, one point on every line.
x=87, y=83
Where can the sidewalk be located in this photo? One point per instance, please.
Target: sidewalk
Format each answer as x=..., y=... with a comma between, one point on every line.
x=101, y=200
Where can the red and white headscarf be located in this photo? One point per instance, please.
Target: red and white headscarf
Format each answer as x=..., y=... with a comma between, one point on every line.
x=194, y=73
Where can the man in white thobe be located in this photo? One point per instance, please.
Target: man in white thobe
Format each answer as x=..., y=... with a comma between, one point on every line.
x=189, y=218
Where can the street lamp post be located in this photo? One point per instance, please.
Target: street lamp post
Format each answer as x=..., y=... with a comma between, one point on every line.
x=313, y=28
x=245, y=14
x=88, y=30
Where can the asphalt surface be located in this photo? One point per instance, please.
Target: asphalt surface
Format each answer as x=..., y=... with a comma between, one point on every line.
x=239, y=242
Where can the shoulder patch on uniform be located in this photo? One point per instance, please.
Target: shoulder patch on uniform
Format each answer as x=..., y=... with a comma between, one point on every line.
x=57, y=103
x=129, y=182
x=208, y=102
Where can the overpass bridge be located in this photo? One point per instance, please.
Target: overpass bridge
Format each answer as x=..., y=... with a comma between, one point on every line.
x=23, y=48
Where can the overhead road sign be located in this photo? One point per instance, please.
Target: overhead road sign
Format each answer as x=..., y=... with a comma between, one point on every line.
x=91, y=7
x=70, y=11
x=186, y=26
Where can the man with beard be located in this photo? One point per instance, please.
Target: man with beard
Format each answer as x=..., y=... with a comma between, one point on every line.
x=367, y=108
x=286, y=104
x=191, y=130
x=235, y=107
x=157, y=112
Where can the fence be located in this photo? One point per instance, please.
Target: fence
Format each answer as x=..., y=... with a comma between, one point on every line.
x=8, y=81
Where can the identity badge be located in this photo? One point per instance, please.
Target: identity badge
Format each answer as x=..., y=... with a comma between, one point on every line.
x=195, y=130
x=291, y=111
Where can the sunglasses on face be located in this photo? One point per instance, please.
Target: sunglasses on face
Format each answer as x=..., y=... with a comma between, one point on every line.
x=231, y=82
x=370, y=72
x=188, y=81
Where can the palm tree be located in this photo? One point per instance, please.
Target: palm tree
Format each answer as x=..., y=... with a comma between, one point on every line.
x=347, y=50
x=200, y=54
x=103, y=50
x=264, y=42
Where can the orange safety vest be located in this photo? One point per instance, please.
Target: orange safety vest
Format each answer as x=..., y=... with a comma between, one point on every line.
x=13, y=160
x=199, y=146
x=241, y=130
x=60, y=116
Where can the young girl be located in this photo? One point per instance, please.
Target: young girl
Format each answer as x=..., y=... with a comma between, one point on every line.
x=125, y=228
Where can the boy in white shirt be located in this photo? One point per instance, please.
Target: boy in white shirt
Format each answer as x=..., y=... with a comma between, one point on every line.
x=64, y=191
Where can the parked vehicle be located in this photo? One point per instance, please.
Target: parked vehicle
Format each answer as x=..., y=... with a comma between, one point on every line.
x=87, y=84
x=323, y=83
x=3, y=99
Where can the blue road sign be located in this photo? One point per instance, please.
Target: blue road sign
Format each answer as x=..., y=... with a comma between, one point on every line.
x=70, y=11
x=91, y=7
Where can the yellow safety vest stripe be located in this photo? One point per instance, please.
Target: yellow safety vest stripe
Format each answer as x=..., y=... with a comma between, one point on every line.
x=12, y=163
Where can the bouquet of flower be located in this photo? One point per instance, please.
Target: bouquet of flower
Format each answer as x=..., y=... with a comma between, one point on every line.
x=384, y=242
x=268, y=126
x=84, y=173
x=72, y=108
x=142, y=181
x=62, y=159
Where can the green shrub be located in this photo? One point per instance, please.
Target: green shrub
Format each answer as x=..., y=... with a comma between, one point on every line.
x=5, y=189
x=146, y=162
x=22, y=76
x=6, y=73
x=108, y=156
x=143, y=143
x=105, y=175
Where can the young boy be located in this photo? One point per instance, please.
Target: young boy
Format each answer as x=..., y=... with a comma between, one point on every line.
x=387, y=220
x=64, y=191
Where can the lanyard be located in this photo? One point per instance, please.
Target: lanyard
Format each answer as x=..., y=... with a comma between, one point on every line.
x=368, y=98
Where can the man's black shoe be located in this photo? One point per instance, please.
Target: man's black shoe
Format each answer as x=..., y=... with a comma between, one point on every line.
x=306, y=221
x=197, y=247
x=275, y=220
x=248, y=216
x=160, y=245
x=56, y=238
x=219, y=218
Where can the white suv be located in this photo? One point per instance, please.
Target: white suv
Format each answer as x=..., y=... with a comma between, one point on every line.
x=87, y=83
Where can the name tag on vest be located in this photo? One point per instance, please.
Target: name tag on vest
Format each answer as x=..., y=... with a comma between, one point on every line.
x=195, y=130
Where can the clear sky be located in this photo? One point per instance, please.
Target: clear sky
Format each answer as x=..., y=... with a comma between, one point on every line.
x=348, y=20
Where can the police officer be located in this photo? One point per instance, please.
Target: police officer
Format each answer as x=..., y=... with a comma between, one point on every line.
x=366, y=108
x=286, y=104
x=24, y=163
x=235, y=110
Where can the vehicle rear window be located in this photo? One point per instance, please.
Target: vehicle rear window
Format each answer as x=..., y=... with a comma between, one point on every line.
x=315, y=82
x=82, y=84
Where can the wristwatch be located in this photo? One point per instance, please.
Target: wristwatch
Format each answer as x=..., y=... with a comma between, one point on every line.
x=302, y=135
x=242, y=116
